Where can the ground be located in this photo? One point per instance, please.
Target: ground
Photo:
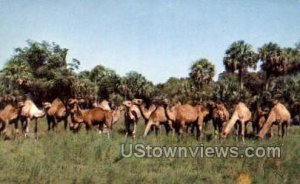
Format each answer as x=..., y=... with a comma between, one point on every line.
x=65, y=157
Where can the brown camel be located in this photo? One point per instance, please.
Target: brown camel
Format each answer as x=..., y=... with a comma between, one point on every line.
x=132, y=115
x=95, y=116
x=278, y=115
x=219, y=116
x=29, y=112
x=8, y=115
x=241, y=114
x=185, y=115
x=56, y=112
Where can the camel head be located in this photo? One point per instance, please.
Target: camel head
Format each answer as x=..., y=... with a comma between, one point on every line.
x=72, y=105
x=211, y=104
x=11, y=111
x=117, y=114
x=137, y=101
x=204, y=111
x=166, y=101
x=127, y=103
x=21, y=104
x=72, y=101
x=47, y=105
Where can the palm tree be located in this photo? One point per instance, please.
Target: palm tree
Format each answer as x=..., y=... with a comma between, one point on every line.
x=274, y=63
x=239, y=57
x=202, y=72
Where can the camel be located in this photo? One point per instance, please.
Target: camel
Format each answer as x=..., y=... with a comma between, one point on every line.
x=241, y=114
x=184, y=115
x=104, y=105
x=8, y=115
x=258, y=120
x=132, y=115
x=158, y=117
x=95, y=116
x=56, y=112
x=219, y=116
x=142, y=107
x=146, y=113
x=278, y=115
x=29, y=112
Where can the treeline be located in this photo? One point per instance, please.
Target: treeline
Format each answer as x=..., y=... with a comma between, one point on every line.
x=40, y=70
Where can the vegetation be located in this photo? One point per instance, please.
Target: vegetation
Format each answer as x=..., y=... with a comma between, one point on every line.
x=92, y=158
x=40, y=70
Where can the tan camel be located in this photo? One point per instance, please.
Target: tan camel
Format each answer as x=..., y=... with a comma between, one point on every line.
x=144, y=111
x=184, y=115
x=103, y=104
x=219, y=116
x=56, y=112
x=278, y=115
x=8, y=115
x=241, y=114
x=131, y=116
x=157, y=118
x=29, y=112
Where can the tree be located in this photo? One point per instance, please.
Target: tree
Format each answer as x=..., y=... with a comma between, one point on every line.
x=202, y=72
x=135, y=85
x=273, y=61
x=176, y=89
x=40, y=69
x=105, y=79
x=239, y=57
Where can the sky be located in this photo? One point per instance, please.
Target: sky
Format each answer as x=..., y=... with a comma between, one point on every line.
x=157, y=38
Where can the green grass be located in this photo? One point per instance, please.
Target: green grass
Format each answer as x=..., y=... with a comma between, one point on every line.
x=65, y=157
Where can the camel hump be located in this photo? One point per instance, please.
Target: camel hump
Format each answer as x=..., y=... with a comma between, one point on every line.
x=281, y=112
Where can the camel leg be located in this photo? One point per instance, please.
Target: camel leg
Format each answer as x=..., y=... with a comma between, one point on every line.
x=54, y=125
x=200, y=132
x=149, y=124
x=66, y=123
x=279, y=129
x=219, y=131
x=157, y=129
x=236, y=131
x=127, y=128
x=286, y=128
x=49, y=123
x=27, y=124
x=3, y=128
x=134, y=129
x=182, y=129
x=35, y=128
x=16, y=127
x=216, y=127
x=170, y=123
x=282, y=130
x=243, y=130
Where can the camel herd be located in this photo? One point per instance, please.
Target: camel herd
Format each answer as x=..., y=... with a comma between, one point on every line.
x=177, y=118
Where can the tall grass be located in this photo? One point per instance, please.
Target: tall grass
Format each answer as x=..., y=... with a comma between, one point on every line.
x=65, y=157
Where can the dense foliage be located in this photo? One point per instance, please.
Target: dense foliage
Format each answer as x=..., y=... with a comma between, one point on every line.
x=41, y=69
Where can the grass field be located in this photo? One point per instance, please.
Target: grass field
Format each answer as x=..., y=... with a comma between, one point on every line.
x=65, y=157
